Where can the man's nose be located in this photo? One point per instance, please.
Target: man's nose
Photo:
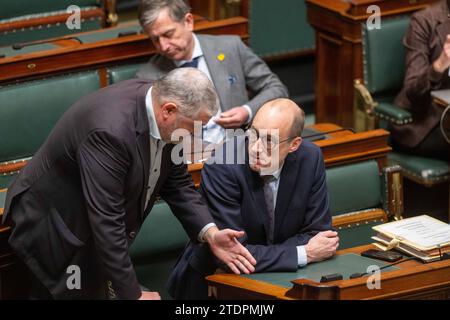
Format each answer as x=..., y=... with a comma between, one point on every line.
x=256, y=147
x=163, y=44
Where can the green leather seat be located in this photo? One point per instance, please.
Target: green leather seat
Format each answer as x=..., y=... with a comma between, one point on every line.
x=124, y=72
x=157, y=247
x=24, y=10
x=384, y=69
x=363, y=192
x=28, y=111
x=426, y=171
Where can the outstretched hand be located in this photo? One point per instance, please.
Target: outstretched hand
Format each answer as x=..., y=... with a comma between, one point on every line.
x=229, y=250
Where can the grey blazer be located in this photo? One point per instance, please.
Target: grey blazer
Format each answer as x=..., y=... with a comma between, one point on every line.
x=241, y=70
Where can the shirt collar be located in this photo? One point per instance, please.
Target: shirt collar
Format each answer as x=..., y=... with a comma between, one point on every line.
x=195, y=54
x=277, y=173
x=154, y=130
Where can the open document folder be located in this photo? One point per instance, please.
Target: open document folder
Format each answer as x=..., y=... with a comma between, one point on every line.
x=423, y=237
x=442, y=95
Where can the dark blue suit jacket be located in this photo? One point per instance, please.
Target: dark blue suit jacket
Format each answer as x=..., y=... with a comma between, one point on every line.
x=234, y=194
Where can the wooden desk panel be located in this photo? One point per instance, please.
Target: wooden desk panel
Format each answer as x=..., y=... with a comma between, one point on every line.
x=413, y=280
x=337, y=24
x=70, y=55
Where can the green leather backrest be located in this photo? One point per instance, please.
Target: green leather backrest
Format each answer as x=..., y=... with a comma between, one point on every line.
x=16, y=8
x=384, y=54
x=157, y=248
x=160, y=233
x=29, y=111
x=279, y=27
x=120, y=73
x=354, y=187
x=49, y=31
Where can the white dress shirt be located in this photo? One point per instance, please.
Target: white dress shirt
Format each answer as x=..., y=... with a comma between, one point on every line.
x=156, y=148
x=212, y=132
x=273, y=185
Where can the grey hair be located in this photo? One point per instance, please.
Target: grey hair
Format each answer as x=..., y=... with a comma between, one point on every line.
x=149, y=10
x=190, y=89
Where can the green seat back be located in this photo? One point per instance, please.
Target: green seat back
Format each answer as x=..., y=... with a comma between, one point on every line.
x=17, y=8
x=28, y=111
x=384, y=55
x=351, y=188
x=50, y=31
x=157, y=247
x=120, y=73
x=354, y=187
x=23, y=10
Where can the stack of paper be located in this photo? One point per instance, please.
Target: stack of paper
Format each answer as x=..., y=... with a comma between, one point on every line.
x=423, y=237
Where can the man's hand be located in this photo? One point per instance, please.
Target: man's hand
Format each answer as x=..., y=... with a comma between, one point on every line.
x=322, y=246
x=146, y=295
x=233, y=118
x=225, y=246
x=443, y=62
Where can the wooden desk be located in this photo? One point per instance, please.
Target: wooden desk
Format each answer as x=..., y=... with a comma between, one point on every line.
x=412, y=280
x=337, y=24
x=62, y=55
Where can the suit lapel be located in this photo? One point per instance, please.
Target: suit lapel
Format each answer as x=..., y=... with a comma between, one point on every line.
x=143, y=141
x=217, y=69
x=285, y=190
x=257, y=192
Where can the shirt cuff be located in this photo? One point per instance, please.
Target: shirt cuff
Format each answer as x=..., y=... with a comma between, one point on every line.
x=203, y=232
x=250, y=114
x=301, y=256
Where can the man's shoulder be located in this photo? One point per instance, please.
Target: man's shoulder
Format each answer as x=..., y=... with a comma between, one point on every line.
x=309, y=152
x=222, y=40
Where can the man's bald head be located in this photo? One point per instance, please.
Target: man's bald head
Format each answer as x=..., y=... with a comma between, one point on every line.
x=282, y=114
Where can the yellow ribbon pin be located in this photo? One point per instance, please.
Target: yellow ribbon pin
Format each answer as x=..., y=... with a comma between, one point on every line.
x=221, y=57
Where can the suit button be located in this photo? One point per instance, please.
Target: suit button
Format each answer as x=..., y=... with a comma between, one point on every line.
x=132, y=234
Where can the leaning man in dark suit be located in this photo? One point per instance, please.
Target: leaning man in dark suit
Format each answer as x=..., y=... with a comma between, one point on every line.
x=273, y=188
x=232, y=67
x=81, y=200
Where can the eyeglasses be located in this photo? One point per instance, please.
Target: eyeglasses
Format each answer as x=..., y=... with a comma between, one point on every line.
x=268, y=141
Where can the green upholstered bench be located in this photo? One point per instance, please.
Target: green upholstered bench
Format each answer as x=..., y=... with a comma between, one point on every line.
x=30, y=20
x=360, y=198
x=384, y=69
x=122, y=72
x=157, y=247
x=28, y=112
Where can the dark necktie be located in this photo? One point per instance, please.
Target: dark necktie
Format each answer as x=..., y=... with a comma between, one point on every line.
x=270, y=204
x=190, y=64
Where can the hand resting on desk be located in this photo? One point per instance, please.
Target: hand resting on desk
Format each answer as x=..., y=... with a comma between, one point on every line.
x=322, y=246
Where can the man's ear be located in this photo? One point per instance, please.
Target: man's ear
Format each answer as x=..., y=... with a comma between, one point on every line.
x=168, y=110
x=295, y=144
x=189, y=21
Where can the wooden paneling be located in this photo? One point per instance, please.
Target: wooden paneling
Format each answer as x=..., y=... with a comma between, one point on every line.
x=337, y=24
x=70, y=55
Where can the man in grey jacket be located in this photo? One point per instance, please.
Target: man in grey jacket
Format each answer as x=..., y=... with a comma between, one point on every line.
x=233, y=68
